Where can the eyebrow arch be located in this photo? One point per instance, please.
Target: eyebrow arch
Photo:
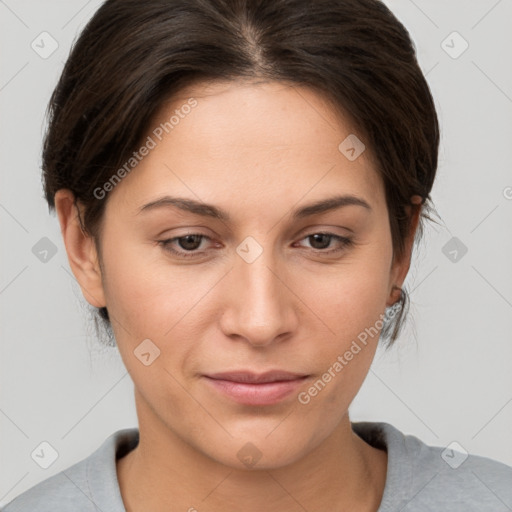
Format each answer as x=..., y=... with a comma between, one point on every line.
x=208, y=210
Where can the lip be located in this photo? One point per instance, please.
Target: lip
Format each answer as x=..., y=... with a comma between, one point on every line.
x=249, y=377
x=251, y=388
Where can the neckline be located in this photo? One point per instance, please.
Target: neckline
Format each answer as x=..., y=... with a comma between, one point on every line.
x=106, y=493
x=398, y=481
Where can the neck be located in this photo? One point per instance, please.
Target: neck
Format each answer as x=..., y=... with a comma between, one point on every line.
x=163, y=473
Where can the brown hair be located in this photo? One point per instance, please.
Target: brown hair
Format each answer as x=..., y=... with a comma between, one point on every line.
x=132, y=56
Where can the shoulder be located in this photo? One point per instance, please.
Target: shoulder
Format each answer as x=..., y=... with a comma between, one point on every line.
x=87, y=486
x=62, y=491
x=421, y=477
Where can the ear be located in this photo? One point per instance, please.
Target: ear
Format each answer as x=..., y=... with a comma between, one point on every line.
x=400, y=268
x=80, y=248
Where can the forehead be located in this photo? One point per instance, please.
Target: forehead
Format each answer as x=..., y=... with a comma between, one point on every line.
x=264, y=114
x=263, y=140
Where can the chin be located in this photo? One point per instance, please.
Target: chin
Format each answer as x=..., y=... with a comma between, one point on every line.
x=262, y=446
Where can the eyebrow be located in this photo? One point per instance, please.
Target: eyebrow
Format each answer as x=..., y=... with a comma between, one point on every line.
x=208, y=210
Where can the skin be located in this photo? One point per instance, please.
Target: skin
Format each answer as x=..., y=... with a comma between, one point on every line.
x=258, y=152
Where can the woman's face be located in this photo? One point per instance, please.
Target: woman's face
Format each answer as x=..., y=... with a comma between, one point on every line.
x=253, y=290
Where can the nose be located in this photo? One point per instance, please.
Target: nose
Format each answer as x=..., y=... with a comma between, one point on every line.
x=259, y=306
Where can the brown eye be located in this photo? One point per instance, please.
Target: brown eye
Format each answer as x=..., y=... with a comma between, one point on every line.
x=187, y=243
x=320, y=240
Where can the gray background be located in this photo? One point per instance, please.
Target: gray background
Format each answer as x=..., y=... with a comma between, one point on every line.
x=448, y=377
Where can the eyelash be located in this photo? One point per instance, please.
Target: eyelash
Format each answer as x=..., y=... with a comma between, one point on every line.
x=345, y=242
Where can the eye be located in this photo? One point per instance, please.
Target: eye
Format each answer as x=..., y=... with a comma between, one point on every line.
x=321, y=241
x=189, y=243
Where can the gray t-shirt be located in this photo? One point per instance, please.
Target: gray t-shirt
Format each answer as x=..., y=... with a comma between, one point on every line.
x=419, y=478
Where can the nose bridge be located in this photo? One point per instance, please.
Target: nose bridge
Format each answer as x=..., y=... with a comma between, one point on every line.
x=260, y=308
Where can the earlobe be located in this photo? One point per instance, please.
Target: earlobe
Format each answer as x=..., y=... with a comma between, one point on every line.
x=81, y=251
x=401, y=268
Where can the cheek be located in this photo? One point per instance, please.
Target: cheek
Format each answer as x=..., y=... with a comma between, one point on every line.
x=144, y=292
x=149, y=298
x=353, y=310
x=351, y=303
x=352, y=297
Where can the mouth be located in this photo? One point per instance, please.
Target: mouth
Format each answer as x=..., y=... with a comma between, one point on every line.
x=251, y=388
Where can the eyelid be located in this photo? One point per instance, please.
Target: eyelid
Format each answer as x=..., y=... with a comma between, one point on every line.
x=167, y=245
x=344, y=241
